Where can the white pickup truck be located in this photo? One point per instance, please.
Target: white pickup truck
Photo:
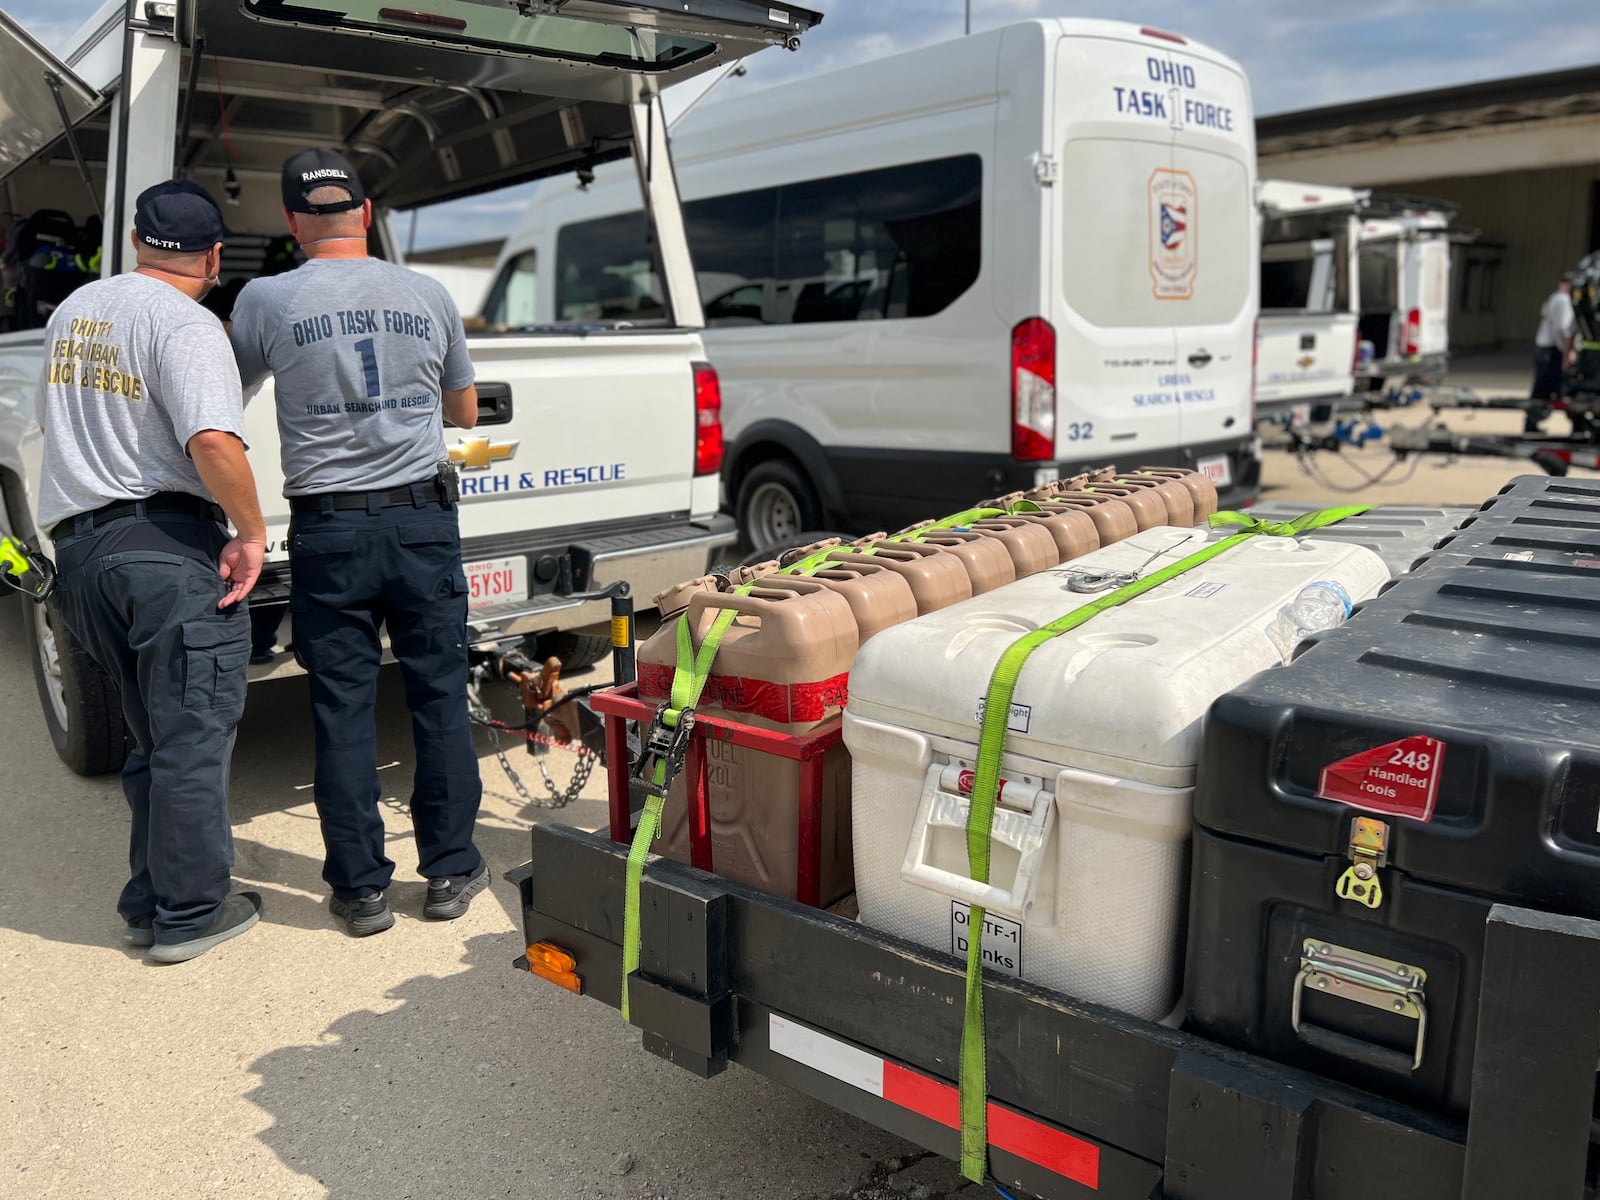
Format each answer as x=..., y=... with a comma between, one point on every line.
x=597, y=450
x=1306, y=342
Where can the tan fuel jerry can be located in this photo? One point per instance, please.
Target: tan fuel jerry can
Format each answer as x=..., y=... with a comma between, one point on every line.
x=1201, y=490
x=783, y=664
x=878, y=597
x=1176, y=498
x=936, y=577
x=1149, y=509
x=988, y=562
x=1113, y=519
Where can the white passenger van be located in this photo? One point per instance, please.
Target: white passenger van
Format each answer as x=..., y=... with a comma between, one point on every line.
x=1310, y=242
x=596, y=457
x=1405, y=291
x=947, y=274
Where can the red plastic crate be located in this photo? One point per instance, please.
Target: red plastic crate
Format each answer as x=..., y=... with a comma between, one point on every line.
x=621, y=705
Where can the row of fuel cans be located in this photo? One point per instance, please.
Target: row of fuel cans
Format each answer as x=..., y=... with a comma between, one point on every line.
x=1290, y=845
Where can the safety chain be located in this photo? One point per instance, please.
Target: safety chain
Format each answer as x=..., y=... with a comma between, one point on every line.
x=558, y=798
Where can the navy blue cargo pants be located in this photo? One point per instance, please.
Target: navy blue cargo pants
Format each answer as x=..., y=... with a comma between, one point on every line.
x=140, y=594
x=355, y=571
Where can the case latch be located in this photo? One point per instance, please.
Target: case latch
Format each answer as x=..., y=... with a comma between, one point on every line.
x=1369, y=853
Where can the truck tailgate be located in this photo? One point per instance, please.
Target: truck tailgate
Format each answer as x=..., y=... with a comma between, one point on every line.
x=569, y=433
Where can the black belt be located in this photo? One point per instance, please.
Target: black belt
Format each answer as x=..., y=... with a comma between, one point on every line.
x=415, y=495
x=179, y=503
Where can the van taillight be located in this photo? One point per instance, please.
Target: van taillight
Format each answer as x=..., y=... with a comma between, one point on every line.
x=1164, y=35
x=707, y=420
x=1413, y=332
x=1033, y=391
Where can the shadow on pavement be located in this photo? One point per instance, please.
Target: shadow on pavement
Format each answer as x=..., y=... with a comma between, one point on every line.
x=491, y=1077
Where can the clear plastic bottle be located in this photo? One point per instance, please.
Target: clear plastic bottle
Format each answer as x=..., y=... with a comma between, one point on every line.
x=1321, y=605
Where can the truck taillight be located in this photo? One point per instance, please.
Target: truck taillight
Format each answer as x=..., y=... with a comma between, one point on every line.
x=1413, y=332
x=707, y=420
x=1033, y=391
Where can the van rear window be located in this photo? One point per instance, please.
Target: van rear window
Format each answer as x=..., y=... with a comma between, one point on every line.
x=1155, y=235
x=468, y=21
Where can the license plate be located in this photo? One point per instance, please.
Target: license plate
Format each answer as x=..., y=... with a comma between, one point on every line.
x=1216, y=469
x=1002, y=939
x=496, y=580
x=1300, y=415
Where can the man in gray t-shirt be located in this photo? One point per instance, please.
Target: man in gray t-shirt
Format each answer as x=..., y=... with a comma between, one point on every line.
x=367, y=359
x=143, y=439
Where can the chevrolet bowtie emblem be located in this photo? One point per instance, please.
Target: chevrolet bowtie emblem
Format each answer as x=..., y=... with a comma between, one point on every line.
x=1306, y=362
x=478, y=454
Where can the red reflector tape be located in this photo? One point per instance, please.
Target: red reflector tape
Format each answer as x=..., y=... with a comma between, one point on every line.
x=1067, y=1156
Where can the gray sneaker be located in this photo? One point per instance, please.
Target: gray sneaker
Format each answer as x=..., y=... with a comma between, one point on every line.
x=364, y=917
x=450, y=897
x=237, y=914
x=139, y=933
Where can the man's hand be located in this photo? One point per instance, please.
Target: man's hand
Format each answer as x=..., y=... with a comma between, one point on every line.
x=240, y=565
x=220, y=459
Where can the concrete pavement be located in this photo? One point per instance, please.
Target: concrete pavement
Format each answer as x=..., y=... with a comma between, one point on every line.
x=297, y=1062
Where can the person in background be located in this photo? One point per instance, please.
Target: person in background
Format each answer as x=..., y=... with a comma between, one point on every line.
x=143, y=425
x=1552, y=351
x=367, y=359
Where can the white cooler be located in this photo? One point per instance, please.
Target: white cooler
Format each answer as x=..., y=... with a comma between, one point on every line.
x=1090, y=858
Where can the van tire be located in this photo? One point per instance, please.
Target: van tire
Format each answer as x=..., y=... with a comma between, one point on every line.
x=777, y=504
x=577, y=651
x=81, y=704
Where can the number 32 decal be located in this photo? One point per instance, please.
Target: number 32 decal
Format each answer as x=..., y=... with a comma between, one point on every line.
x=1080, y=431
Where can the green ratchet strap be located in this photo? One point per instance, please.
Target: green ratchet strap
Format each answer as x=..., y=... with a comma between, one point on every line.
x=961, y=518
x=688, y=681
x=986, y=787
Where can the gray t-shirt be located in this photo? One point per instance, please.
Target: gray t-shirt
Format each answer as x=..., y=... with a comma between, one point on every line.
x=359, y=350
x=133, y=369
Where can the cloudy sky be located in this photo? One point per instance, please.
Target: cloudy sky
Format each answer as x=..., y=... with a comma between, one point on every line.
x=1299, y=53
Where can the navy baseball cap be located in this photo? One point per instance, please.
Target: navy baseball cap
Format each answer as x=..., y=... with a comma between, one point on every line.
x=178, y=215
x=313, y=169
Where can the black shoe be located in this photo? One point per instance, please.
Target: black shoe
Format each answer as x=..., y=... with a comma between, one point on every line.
x=363, y=917
x=450, y=897
x=237, y=914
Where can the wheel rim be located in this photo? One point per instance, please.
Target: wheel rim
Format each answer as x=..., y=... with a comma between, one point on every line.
x=774, y=515
x=48, y=648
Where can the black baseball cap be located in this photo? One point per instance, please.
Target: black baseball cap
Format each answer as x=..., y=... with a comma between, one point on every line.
x=178, y=215
x=312, y=169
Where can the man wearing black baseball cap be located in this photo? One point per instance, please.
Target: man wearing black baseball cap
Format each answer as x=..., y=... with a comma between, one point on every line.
x=368, y=358
x=144, y=463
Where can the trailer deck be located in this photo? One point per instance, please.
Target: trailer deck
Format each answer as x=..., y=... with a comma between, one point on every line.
x=1083, y=1101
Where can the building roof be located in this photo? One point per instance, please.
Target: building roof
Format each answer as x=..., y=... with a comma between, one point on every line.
x=1520, y=99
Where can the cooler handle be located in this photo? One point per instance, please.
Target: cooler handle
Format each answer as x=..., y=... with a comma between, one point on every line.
x=1026, y=832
